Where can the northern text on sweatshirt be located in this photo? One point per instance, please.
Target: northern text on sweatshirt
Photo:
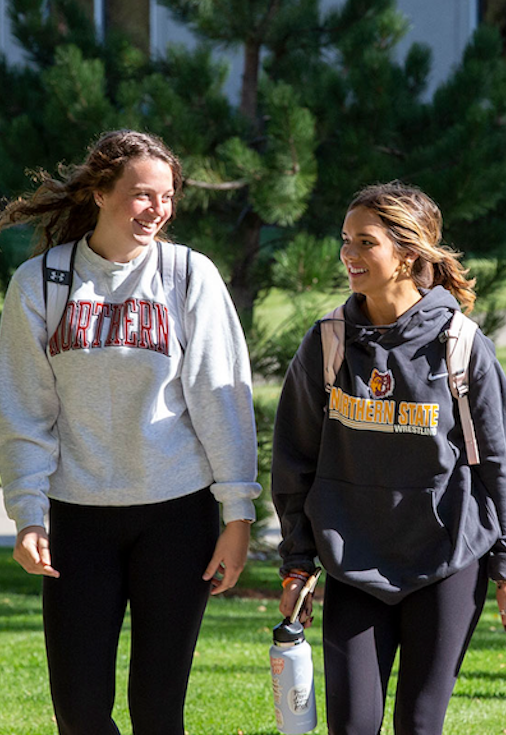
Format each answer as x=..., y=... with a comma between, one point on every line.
x=110, y=410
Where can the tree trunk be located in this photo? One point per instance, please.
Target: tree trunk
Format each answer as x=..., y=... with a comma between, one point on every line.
x=242, y=285
x=249, y=89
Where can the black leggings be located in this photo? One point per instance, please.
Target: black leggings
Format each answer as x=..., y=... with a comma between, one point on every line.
x=152, y=556
x=432, y=627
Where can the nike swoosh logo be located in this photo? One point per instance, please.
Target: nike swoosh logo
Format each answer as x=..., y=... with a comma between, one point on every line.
x=436, y=376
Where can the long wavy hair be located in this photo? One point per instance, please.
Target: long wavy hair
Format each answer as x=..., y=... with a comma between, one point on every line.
x=415, y=223
x=64, y=209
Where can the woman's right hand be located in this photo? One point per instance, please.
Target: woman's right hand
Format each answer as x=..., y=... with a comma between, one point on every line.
x=501, y=600
x=32, y=551
x=289, y=599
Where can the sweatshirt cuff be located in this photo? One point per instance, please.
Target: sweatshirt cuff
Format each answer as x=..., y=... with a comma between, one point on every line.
x=31, y=519
x=497, y=566
x=27, y=509
x=236, y=499
x=296, y=562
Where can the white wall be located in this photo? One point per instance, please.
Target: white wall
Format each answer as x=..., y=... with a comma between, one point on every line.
x=446, y=25
x=165, y=29
x=8, y=44
x=99, y=18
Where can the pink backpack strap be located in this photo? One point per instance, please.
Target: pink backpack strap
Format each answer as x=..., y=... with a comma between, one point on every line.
x=460, y=337
x=332, y=334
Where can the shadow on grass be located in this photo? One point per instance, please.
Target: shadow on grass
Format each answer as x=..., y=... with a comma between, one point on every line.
x=22, y=626
x=20, y=612
x=20, y=596
x=494, y=677
x=14, y=579
x=477, y=694
x=226, y=669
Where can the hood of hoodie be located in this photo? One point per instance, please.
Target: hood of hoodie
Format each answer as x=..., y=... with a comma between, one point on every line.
x=423, y=321
x=393, y=383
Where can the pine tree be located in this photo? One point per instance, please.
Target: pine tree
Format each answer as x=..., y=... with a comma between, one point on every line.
x=494, y=13
x=324, y=109
x=261, y=176
x=320, y=101
x=51, y=109
x=375, y=124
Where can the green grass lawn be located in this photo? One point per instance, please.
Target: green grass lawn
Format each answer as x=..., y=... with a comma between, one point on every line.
x=230, y=688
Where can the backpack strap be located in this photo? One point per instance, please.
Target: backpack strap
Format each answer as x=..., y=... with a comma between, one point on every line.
x=57, y=273
x=332, y=329
x=459, y=343
x=174, y=262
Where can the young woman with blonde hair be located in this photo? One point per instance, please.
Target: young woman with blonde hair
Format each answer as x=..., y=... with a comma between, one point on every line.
x=375, y=479
x=127, y=423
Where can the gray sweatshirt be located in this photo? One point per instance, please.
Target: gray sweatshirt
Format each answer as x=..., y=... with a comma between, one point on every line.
x=109, y=410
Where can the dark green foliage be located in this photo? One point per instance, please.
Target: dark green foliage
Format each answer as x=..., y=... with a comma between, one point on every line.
x=41, y=28
x=272, y=354
x=490, y=274
x=324, y=109
x=308, y=264
x=15, y=246
x=264, y=416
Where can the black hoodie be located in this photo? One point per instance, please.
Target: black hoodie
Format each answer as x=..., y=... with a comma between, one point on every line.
x=374, y=479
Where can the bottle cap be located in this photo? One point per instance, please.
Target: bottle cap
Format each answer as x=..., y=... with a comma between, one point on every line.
x=288, y=632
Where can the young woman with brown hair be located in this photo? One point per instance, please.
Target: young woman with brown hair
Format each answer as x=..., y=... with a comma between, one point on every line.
x=375, y=479
x=126, y=433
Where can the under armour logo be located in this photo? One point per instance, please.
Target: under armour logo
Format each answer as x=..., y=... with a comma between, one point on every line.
x=57, y=276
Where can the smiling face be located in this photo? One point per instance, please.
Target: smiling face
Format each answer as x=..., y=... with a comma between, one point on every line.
x=135, y=210
x=370, y=255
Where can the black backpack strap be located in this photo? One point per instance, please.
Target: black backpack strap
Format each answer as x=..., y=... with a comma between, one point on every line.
x=57, y=273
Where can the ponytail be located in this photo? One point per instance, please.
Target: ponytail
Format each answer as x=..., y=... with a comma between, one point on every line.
x=415, y=224
x=447, y=272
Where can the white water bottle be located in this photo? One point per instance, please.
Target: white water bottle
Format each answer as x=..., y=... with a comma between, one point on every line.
x=292, y=672
x=292, y=679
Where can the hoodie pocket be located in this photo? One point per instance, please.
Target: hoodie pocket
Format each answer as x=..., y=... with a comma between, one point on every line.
x=394, y=534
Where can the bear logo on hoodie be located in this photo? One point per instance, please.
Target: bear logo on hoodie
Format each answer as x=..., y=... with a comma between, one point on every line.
x=381, y=385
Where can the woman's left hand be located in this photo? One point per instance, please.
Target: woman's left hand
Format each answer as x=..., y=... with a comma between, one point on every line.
x=229, y=557
x=501, y=601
